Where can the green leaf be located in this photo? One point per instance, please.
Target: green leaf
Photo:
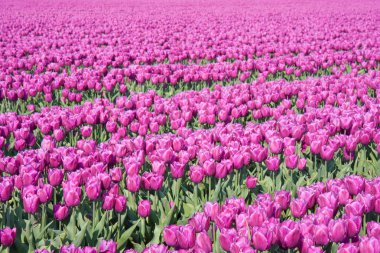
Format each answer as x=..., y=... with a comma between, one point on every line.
x=121, y=242
x=40, y=233
x=80, y=235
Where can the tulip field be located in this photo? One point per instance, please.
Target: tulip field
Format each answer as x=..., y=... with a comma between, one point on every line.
x=198, y=126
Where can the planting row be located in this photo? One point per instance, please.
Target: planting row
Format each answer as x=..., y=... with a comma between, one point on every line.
x=62, y=87
x=339, y=215
x=144, y=113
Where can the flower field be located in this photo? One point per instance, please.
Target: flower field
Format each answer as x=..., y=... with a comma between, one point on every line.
x=189, y=126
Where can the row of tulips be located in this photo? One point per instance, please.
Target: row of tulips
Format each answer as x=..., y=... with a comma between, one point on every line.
x=336, y=215
x=142, y=113
x=217, y=158
x=58, y=88
x=46, y=40
x=40, y=37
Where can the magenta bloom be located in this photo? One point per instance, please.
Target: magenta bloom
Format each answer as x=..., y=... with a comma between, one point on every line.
x=7, y=236
x=144, y=208
x=61, y=212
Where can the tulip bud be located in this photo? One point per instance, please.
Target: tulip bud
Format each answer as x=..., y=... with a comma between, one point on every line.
x=144, y=208
x=60, y=212
x=7, y=236
x=107, y=246
x=251, y=182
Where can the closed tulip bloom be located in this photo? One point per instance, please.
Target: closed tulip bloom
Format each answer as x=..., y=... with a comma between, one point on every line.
x=354, y=208
x=282, y=198
x=257, y=216
x=212, y=210
x=108, y=201
x=130, y=251
x=72, y=195
x=177, y=169
x=45, y=193
x=70, y=162
x=144, y=208
x=242, y=244
x=170, y=236
x=298, y=208
x=302, y=163
x=186, y=237
x=107, y=246
x=196, y=174
x=55, y=177
x=316, y=147
x=89, y=249
x=120, y=204
x=354, y=184
x=69, y=249
x=327, y=153
x=373, y=229
x=348, y=248
x=226, y=238
x=261, y=238
x=290, y=234
x=86, y=131
x=291, y=161
x=133, y=183
x=93, y=188
x=116, y=174
x=7, y=236
x=367, y=200
x=354, y=224
x=200, y=222
x=154, y=248
x=321, y=234
x=337, y=230
x=328, y=199
x=275, y=146
x=6, y=189
x=251, y=182
x=61, y=212
x=31, y=203
x=203, y=243
x=369, y=245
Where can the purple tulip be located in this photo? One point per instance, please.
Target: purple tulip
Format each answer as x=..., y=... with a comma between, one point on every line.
x=144, y=208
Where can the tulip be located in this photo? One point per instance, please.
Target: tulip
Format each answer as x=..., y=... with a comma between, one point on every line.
x=93, y=188
x=369, y=245
x=200, y=222
x=120, y=204
x=337, y=230
x=321, y=234
x=144, y=208
x=348, y=248
x=186, y=237
x=107, y=246
x=133, y=183
x=289, y=233
x=203, y=243
x=7, y=236
x=261, y=238
x=298, y=207
x=170, y=236
x=61, y=212
x=226, y=238
x=282, y=198
x=251, y=182
x=31, y=203
x=55, y=177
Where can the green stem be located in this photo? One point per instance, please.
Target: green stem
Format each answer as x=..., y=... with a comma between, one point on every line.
x=119, y=225
x=43, y=219
x=143, y=228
